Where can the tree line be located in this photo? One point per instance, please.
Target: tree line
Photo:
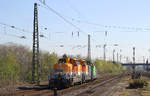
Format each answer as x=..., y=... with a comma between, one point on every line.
x=16, y=64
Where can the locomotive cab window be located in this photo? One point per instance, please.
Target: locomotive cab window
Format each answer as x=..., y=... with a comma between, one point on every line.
x=78, y=62
x=62, y=61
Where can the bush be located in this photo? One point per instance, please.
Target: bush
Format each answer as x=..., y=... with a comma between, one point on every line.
x=107, y=67
x=9, y=69
x=138, y=83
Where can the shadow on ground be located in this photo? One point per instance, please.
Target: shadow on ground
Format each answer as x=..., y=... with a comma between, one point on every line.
x=37, y=88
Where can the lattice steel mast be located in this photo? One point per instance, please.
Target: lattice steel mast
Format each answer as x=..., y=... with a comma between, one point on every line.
x=35, y=58
x=89, y=49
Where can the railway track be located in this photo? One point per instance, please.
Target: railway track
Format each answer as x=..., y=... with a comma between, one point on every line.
x=95, y=89
x=78, y=90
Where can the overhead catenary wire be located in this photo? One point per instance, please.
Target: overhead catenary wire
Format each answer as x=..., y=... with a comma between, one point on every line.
x=96, y=24
x=110, y=26
x=12, y=35
x=91, y=23
x=87, y=22
x=75, y=9
x=63, y=18
x=4, y=25
x=24, y=37
x=20, y=29
x=14, y=27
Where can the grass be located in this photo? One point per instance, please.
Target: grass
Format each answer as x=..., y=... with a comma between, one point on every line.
x=124, y=94
x=139, y=91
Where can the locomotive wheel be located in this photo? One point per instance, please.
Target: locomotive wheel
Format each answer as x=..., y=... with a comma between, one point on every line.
x=67, y=85
x=80, y=82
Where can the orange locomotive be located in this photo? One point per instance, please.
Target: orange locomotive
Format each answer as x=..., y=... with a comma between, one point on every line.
x=69, y=71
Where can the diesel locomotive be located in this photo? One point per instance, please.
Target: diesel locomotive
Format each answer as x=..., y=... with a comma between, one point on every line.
x=70, y=71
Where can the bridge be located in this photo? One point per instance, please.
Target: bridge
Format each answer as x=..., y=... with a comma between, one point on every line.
x=146, y=66
x=136, y=64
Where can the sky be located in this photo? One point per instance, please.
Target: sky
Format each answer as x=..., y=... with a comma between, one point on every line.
x=126, y=21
